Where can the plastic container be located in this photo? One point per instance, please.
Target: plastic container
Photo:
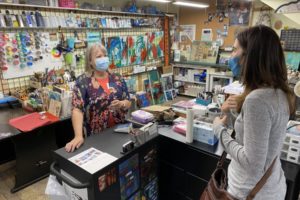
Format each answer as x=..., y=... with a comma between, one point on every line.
x=203, y=101
x=142, y=116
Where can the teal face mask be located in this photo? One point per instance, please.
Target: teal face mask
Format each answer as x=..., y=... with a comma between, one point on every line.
x=234, y=65
x=102, y=63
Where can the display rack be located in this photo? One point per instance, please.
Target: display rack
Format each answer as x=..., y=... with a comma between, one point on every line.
x=191, y=68
x=8, y=86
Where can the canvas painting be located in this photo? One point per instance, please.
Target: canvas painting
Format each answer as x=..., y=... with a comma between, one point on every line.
x=155, y=45
x=158, y=93
x=137, y=49
x=148, y=91
x=117, y=52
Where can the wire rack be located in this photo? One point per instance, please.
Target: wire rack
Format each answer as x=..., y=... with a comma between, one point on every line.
x=8, y=86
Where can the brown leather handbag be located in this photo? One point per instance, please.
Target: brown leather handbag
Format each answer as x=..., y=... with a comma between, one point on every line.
x=216, y=188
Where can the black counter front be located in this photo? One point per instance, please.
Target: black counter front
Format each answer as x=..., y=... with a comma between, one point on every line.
x=181, y=170
x=132, y=175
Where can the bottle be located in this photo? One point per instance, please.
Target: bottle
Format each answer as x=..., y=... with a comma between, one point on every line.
x=14, y=21
x=39, y=19
x=20, y=20
x=24, y=19
x=2, y=20
x=33, y=19
x=28, y=19
x=8, y=19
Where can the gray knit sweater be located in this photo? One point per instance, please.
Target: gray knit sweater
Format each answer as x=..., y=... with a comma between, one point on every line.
x=260, y=131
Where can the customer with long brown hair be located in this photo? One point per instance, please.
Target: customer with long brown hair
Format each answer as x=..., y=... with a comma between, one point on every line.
x=264, y=109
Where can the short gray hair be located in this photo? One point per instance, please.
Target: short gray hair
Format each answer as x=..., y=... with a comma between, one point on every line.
x=89, y=52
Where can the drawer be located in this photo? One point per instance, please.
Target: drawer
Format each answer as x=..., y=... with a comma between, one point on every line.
x=194, y=186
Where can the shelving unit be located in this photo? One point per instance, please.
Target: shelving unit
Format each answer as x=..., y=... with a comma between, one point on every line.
x=212, y=73
x=9, y=86
x=24, y=6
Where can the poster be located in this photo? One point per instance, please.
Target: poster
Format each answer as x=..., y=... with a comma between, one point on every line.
x=239, y=13
x=292, y=60
x=92, y=160
x=204, y=52
x=189, y=31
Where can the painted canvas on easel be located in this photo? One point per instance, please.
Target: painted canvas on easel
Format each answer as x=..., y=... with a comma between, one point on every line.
x=155, y=45
x=114, y=51
x=137, y=49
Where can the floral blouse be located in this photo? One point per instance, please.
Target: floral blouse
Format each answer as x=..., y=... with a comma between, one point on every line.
x=93, y=101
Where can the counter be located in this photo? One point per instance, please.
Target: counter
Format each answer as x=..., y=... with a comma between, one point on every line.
x=32, y=150
x=181, y=170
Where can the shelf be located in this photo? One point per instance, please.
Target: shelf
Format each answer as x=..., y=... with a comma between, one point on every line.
x=187, y=95
x=201, y=64
x=134, y=74
x=66, y=28
x=191, y=81
x=77, y=10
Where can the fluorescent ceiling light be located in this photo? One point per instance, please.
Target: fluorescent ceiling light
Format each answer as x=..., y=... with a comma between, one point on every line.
x=160, y=1
x=191, y=4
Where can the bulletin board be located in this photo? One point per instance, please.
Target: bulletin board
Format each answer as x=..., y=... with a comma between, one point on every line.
x=28, y=52
x=200, y=18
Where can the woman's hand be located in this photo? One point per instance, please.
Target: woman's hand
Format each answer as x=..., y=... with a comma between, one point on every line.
x=117, y=104
x=230, y=103
x=75, y=143
x=220, y=121
x=218, y=124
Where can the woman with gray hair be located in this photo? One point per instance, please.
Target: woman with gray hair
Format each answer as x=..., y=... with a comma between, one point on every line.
x=100, y=98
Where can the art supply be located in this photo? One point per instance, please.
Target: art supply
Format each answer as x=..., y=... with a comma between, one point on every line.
x=2, y=20
x=189, y=125
x=8, y=19
x=33, y=19
x=39, y=19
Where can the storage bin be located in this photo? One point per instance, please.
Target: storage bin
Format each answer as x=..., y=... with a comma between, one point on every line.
x=66, y=3
x=293, y=140
x=294, y=150
x=293, y=158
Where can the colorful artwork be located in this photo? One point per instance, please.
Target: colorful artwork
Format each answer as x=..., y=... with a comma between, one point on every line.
x=137, y=49
x=239, y=13
x=129, y=176
x=149, y=96
x=151, y=191
x=155, y=45
x=158, y=93
x=292, y=59
x=117, y=51
x=136, y=196
x=131, y=84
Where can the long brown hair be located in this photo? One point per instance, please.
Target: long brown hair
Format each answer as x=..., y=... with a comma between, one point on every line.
x=263, y=63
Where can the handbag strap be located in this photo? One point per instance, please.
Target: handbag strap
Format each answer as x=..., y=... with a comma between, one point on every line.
x=261, y=182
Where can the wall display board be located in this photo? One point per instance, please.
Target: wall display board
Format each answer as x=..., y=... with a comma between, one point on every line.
x=24, y=53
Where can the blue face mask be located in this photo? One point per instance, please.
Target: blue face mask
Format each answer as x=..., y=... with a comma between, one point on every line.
x=234, y=64
x=102, y=63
